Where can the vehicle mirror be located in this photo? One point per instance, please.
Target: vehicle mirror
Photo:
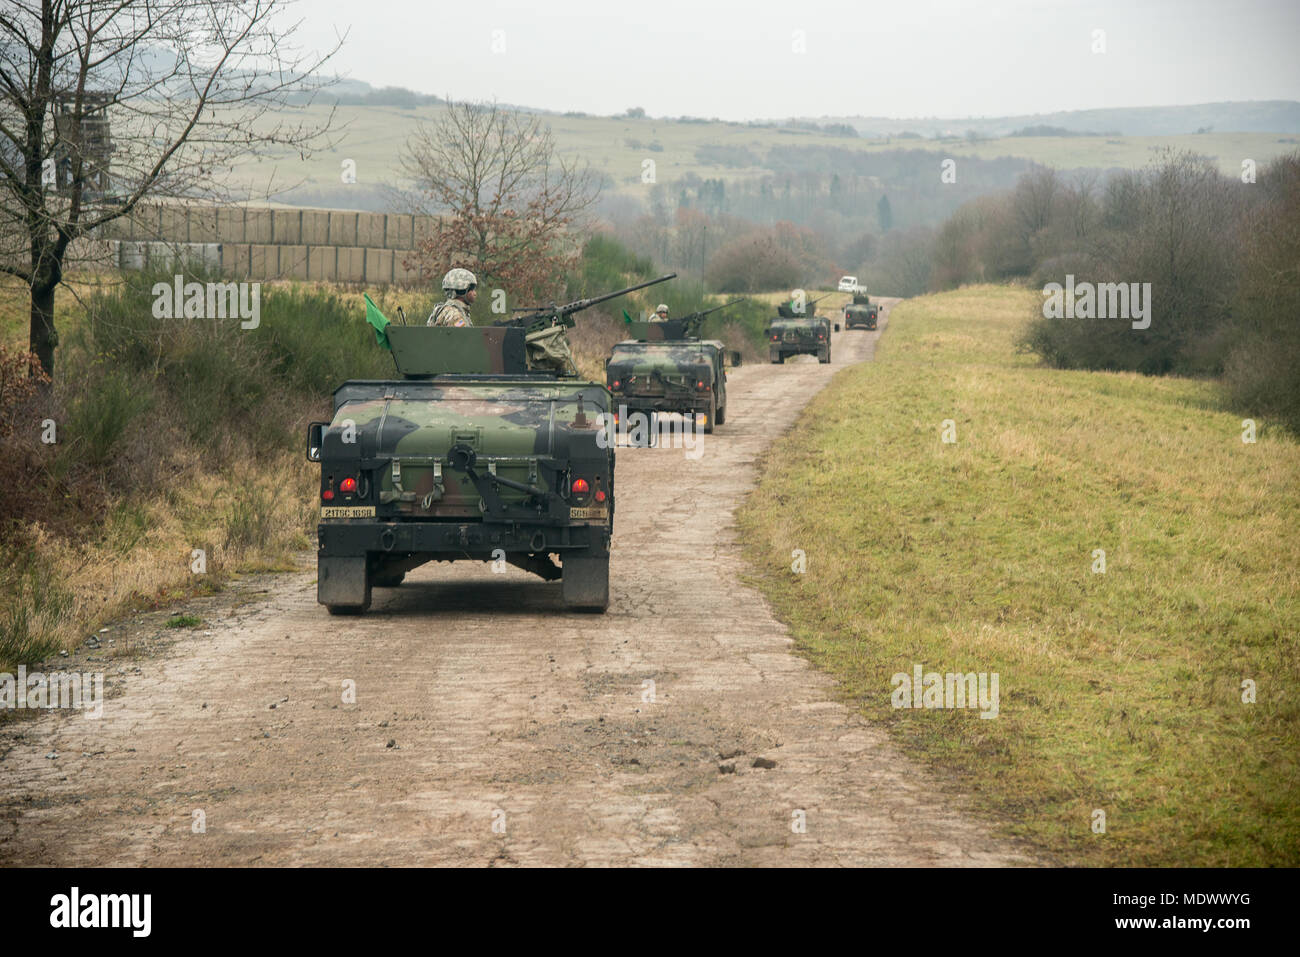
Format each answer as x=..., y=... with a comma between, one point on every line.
x=315, y=437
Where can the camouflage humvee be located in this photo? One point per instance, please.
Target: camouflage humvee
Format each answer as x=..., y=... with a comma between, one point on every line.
x=473, y=454
x=798, y=330
x=810, y=336
x=860, y=315
x=661, y=369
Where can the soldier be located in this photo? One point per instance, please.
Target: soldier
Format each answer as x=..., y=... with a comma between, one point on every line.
x=661, y=314
x=459, y=284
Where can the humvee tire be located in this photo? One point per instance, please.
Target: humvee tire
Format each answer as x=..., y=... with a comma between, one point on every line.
x=343, y=584
x=827, y=357
x=713, y=415
x=722, y=415
x=584, y=584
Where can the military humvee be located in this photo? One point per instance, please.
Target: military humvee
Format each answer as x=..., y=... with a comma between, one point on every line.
x=860, y=315
x=798, y=330
x=662, y=369
x=809, y=335
x=470, y=455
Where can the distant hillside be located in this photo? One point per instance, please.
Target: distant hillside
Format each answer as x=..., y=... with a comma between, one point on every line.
x=1263, y=116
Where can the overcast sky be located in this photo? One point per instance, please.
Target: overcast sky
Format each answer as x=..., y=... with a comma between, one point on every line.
x=903, y=58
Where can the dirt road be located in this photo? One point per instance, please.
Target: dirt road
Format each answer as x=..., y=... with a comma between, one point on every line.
x=491, y=728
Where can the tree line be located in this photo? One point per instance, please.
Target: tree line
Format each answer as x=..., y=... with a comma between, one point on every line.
x=1221, y=254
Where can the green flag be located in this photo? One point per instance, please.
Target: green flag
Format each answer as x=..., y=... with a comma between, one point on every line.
x=378, y=320
x=626, y=317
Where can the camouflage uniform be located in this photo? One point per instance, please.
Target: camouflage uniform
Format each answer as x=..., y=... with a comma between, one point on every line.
x=453, y=312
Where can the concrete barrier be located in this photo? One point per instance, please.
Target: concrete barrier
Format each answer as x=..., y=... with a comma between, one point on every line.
x=261, y=243
x=293, y=262
x=203, y=224
x=343, y=229
x=397, y=231
x=257, y=226
x=315, y=227
x=264, y=262
x=379, y=266
x=405, y=274
x=173, y=225
x=352, y=264
x=230, y=224
x=322, y=263
x=370, y=230
x=286, y=227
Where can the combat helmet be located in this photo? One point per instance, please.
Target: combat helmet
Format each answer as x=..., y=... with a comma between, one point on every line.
x=458, y=280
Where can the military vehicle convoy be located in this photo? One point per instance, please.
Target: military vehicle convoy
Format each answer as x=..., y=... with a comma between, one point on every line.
x=476, y=453
x=662, y=368
x=799, y=332
x=861, y=313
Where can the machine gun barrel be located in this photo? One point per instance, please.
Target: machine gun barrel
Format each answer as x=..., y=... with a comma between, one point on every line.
x=696, y=317
x=545, y=316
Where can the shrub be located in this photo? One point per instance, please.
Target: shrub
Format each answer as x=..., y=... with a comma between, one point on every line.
x=753, y=263
x=1262, y=371
x=251, y=519
x=100, y=416
x=1175, y=226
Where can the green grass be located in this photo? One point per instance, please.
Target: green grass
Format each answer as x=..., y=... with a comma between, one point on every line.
x=37, y=615
x=1119, y=691
x=184, y=621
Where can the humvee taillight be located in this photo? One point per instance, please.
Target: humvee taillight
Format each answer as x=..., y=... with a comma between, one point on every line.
x=600, y=495
x=700, y=385
x=580, y=487
x=617, y=383
x=327, y=495
x=348, y=485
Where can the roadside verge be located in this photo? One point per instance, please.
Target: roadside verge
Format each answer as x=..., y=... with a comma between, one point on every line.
x=1120, y=691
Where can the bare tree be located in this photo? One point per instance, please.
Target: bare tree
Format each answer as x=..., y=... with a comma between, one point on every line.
x=506, y=199
x=189, y=88
x=1034, y=200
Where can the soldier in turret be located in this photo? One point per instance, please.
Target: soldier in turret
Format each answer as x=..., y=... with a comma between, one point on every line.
x=460, y=287
x=661, y=313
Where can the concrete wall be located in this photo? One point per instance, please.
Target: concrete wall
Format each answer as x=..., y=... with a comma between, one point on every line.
x=266, y=244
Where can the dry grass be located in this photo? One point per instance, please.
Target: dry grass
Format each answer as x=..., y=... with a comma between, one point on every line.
x=143, y=555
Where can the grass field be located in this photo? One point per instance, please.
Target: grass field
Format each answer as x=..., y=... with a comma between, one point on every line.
x=373, y=137
x=1121, y=691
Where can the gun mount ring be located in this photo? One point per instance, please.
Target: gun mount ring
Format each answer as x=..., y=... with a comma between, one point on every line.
x=462, y=457
x=387, y=540
x=538, y=541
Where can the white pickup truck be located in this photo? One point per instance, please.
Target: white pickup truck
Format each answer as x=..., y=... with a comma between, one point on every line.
x=850, y=284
